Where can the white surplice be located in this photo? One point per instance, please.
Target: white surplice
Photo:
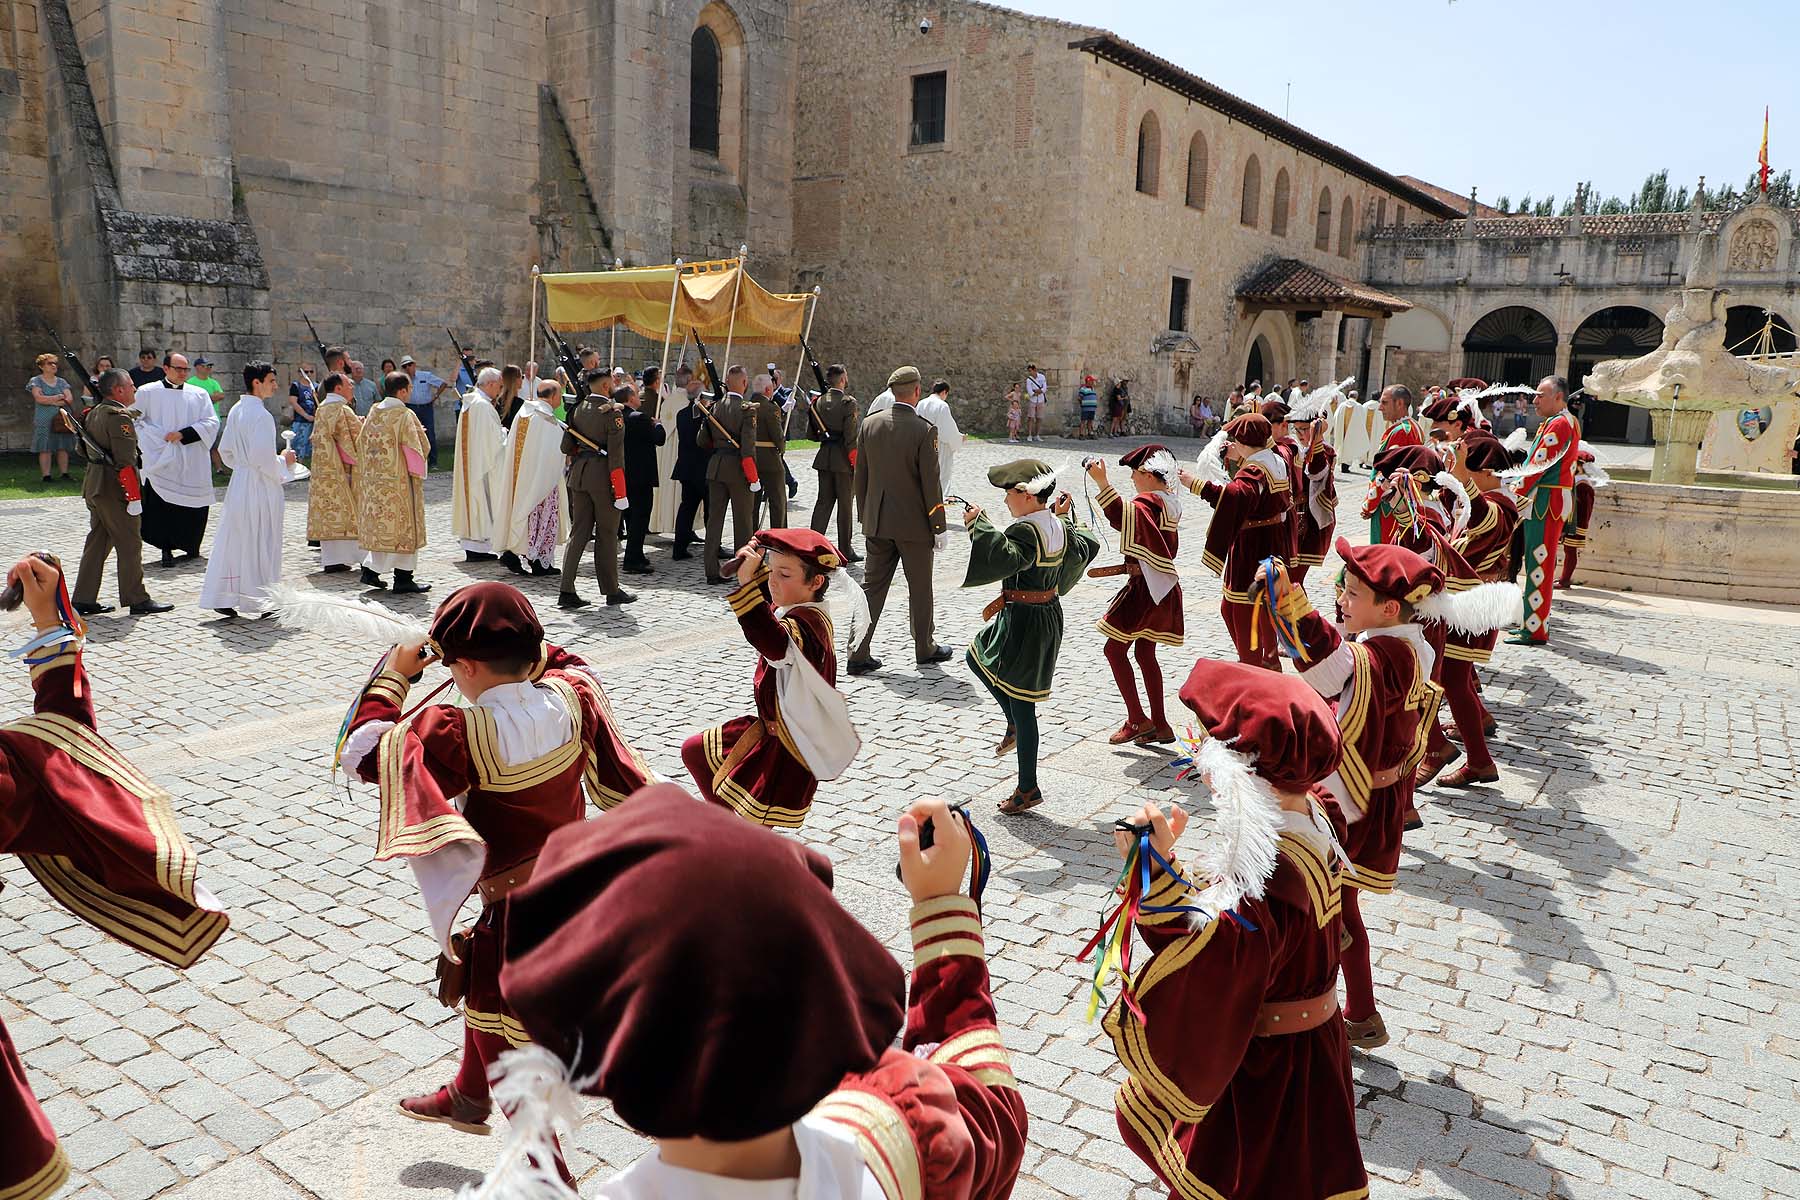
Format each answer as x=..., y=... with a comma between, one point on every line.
x=949, y=439
x=181, y=472
x=480, y=473
x=246, y=555
x=534, y=470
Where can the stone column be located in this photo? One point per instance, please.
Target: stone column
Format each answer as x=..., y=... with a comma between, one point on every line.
x=1678, y=434
x=1565, y=347
x=1327, y=327
x=1377, y=356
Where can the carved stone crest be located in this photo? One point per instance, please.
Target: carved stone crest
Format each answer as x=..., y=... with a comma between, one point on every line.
x=1754, y=247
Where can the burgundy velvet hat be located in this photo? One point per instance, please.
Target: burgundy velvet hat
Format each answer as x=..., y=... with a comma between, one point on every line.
x=484, y=622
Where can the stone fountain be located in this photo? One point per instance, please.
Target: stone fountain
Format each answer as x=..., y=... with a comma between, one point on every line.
x=1691, y=375
x=1670, y=535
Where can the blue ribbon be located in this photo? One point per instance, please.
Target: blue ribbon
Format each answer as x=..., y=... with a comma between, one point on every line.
x=57, y=637
x=1146, y=855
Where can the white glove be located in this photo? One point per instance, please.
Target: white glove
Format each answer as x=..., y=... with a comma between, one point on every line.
x=941, y=542
x=757, y=486
x=135, y=508
x=622, y=503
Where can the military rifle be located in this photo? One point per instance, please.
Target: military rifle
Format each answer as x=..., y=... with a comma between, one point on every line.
x=320, y=345
x=570, y=362
x=467, y=359
x=712, y=372
x=91, y=450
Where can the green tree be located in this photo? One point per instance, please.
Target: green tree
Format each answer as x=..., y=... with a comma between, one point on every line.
x=1545, y=207
x=1505, y=204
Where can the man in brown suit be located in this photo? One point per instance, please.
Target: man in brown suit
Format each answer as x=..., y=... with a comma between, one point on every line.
x=111, y=492
x=725, y=478
x=836, y=422
x=902, y=506
x=595, y=439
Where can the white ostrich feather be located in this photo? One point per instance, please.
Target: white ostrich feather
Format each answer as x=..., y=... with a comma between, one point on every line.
x=1037, y=484
x=1239, y=858
x=1481, y=609
x=1162, y=465
x=1317, y=403
x=363, y=619
x=534, y=1088
x=1596, y=475
x=1450, y=485
x=1505, y=389
x=1212, y=460
x=1519, y=439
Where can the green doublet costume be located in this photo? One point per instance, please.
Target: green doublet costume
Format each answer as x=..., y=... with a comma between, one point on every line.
x=1017, y=649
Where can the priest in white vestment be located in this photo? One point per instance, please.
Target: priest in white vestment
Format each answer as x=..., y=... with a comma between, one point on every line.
x=480, y=468
x=246, y=555
x=532, y=517
x=176, y=426
x=935, y=407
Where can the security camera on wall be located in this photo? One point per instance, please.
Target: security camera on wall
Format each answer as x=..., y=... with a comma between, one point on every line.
x=924, y=24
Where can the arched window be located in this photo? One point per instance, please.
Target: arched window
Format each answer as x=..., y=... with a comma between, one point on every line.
x=1346, y=223
x=703, y=92
x=1149, y=154
x=1278, y=213
x=1322, y=235
x=1248, y=213
x=1196, y=172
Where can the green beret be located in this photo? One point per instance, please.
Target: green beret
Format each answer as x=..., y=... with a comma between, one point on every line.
x=1023, y=474
x=904, y=375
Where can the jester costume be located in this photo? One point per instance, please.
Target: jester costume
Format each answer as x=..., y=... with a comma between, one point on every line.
x=1037, y=560
x=102, y=840
x=1237, y=1064
x=1546, y=502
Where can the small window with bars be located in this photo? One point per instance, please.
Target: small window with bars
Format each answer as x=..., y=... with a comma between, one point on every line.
x=929, y=95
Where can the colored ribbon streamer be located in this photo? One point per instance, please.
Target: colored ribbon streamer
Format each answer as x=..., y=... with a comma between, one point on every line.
x=52, y=639
x=1287, y=632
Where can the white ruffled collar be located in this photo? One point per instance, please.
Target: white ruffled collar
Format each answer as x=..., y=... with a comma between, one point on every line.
x=1413, y=634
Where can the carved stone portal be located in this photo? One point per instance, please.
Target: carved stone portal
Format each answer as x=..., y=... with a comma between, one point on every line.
x=1754, y=247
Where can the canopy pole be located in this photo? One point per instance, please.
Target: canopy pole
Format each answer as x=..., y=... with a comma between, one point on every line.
x=662, y=374
x=612, y=347
x=736, y=283
x=800, y=359
x=532, y=356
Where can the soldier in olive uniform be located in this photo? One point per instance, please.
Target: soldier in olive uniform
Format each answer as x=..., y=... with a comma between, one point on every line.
x=770, y=428
x=836, y=420
x=596, y=440
x=902, y=505
x=111, y=491
x=726, y=482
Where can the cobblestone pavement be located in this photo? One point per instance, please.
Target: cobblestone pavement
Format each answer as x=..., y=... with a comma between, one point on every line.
x=1590, y=970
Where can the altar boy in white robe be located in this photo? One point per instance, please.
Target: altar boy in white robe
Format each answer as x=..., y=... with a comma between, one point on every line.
x=480, y=468
x=246, y=557
x=532, y=516
x=176, y=426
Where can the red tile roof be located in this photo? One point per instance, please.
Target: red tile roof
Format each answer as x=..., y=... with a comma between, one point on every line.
x=1288, y=282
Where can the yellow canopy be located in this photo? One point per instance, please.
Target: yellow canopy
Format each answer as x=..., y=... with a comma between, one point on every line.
x=639, y=298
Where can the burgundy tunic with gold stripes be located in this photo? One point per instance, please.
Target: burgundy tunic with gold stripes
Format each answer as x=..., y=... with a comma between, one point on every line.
x=1481, y=556
x=941, y=1117
x=1216, y=1102
x=1320, y=495
x=1251, y=521
x=1149, y=535
x=1386, y=703
x=1576, y=533
x=425, y=763
x=766, y=781
x=102, y=840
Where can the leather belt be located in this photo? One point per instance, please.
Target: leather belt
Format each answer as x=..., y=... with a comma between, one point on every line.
x=1295, y=1016
x=765, y=445
x=1017, y=596
x=1386, y=778
x=496, y=888
x=1266, y=522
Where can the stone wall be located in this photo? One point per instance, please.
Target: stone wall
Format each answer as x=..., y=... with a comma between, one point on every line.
x=203, y=174
x=1022, y=236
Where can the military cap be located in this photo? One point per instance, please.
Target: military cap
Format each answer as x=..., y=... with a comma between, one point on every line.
x=904, y=375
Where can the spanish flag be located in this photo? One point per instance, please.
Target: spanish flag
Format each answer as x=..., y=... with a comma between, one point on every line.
x=1762, y=156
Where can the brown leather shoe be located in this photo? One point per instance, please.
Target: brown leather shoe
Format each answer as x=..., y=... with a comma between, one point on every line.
x=1371, y=1034
x=1430, y=765
x=1127, y=731
x=447, y=1106
x=1463, y=777
x=1007, y=743
x=1154, y=735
